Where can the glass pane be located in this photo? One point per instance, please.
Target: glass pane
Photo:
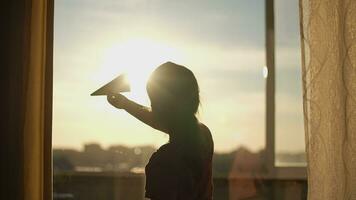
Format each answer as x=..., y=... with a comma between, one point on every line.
x=289, y=102
x=100, y=152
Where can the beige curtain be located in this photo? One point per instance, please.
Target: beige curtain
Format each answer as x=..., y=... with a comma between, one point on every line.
x=38, y=101
x=328, y=31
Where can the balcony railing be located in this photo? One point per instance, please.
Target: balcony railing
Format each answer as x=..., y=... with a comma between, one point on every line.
x=130, y=186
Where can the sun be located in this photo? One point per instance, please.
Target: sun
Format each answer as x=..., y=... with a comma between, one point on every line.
x=137, y=58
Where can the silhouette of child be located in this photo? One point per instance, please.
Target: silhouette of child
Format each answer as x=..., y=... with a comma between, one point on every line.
x=182, y=168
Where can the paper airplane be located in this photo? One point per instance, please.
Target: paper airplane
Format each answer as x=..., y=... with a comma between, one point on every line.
x=118, y=85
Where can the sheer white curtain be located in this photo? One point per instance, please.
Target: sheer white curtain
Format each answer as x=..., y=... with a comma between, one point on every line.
x=328, y=31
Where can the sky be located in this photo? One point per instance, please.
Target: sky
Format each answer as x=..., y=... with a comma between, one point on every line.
x=222, y=42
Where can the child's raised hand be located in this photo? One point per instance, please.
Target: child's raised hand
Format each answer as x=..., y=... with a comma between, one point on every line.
x=117, y=100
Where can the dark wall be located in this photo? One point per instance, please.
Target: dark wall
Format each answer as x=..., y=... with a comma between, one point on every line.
x=13, y=45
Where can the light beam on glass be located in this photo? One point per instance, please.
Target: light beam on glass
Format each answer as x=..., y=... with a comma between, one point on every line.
x=265, y=72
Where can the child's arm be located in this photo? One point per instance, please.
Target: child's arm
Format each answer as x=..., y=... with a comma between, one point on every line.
x=140, y=112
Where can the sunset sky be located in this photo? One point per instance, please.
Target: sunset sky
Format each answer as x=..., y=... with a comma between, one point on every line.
x=222, y=42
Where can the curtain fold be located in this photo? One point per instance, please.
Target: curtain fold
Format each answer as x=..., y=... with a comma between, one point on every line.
x=26, y=40
x=38, y=101
x=328, y=38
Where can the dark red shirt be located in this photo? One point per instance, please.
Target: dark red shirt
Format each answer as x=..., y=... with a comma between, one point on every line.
x=168, y=176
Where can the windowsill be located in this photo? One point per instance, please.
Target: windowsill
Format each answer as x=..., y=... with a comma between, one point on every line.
x=278, y=173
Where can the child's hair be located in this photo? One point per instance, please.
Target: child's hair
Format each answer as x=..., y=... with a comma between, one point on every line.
x=174, y=89
x=174, y=94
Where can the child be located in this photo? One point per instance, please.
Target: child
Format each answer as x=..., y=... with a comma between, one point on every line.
x=182, y=168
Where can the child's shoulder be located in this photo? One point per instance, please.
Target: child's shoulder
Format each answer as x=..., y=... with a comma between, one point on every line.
x=203, y=128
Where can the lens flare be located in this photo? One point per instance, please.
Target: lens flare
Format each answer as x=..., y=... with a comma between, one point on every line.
x=137, y=58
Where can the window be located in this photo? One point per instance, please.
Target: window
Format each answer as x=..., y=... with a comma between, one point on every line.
x=289, y=105
x=100, y=152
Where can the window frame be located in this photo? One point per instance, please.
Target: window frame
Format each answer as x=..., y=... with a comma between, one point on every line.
x=277, y=172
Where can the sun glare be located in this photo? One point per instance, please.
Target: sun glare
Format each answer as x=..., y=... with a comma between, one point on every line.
x=137, y=58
